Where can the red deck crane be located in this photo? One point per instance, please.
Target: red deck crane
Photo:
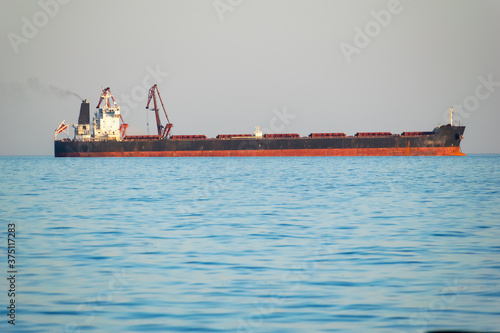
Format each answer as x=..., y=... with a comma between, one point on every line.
x=163, y=131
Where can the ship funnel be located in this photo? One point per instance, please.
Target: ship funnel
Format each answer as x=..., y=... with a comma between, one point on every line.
x=83, y=130
x=84, y=117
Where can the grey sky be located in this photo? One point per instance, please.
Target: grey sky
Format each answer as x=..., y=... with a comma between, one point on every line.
x=234, y=64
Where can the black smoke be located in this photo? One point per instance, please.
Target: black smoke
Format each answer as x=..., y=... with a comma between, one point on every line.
x=35, y=84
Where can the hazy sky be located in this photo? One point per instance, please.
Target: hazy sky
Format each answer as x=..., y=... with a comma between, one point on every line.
x=225, y=66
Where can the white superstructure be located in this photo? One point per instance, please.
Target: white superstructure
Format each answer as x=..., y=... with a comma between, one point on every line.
x=107, y=124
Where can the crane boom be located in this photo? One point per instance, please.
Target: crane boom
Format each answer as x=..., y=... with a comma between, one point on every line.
x=163, y=131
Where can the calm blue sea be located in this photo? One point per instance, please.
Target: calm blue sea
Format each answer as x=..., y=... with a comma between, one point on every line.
x=299, y=244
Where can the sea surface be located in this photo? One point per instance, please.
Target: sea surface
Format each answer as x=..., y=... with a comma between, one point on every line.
x=282, y=244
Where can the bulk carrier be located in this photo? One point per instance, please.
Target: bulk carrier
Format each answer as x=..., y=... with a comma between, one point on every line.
x=107, y=138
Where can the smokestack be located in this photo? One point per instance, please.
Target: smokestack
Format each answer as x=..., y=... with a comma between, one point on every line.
x=83, y=130
x=84, y=118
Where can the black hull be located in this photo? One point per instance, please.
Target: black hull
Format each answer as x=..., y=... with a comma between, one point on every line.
x=444, y=141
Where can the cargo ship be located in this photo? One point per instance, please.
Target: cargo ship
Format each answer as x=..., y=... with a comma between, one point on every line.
x=107, y=138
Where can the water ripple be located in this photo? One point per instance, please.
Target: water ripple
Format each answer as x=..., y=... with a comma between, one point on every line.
x=255, y=244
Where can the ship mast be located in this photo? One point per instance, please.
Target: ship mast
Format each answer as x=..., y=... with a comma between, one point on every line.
x=163, y=132
x=451, y=116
